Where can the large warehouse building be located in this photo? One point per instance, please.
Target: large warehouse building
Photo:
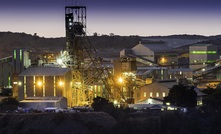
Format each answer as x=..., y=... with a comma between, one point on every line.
x=158, y=53
x=45, y=82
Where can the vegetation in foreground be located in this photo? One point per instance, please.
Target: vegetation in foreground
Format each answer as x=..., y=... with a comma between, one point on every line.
x=203, y=120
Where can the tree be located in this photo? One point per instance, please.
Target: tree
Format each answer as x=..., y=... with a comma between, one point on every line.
x=9, y=103
x=111, y=34
x=212, y=102
x=209, y=91
x=99, y=104
x=181, y=95
x=95, y=34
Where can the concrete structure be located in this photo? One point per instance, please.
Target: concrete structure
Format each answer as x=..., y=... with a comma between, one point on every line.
x=124, y=64
x=45, y=82
x=181, y=73
x=158, y=53
x=21, y=60
x=159, y=73
x=202, y=54
x=148, y=104
x=157, y=90
x=6, y=72
x=200, y=96
x=10, y=67
x=40, y=103
x=150, y=58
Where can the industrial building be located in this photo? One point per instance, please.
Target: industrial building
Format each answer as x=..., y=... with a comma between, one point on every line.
x=181, y=74
x=201, y=55
x=45, y=82
x=146, y=71
x=152, y=60
x=40, y=103
x=158, y=89
x=159, y=54
x=140, y=66
x=11, y=67
x=6, y=72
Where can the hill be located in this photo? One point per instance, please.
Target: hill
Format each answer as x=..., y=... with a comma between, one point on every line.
x=107, y=46
x=111, y=44
x=10, y=41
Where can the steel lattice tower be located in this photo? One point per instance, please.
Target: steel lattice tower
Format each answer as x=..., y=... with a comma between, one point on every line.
x=83, y=58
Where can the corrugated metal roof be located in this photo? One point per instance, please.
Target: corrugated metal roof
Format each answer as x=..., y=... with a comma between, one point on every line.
x=159, y=48
x=44, y=71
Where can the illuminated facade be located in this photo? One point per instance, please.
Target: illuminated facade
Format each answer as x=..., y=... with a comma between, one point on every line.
x=97, y=90
x=158, y=53
x=45, y=82
x=202, y=54
x=157, y=90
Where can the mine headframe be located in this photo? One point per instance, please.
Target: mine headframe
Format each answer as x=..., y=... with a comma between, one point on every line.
x=82, y=58
x=75, y=24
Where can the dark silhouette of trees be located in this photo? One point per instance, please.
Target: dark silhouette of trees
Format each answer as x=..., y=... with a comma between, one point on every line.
x=211, y=103
x=209, y=91
x=100, y=104
x=9, y=103
x=181, y=95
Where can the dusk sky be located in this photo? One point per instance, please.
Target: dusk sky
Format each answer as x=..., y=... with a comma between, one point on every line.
x=121, y=17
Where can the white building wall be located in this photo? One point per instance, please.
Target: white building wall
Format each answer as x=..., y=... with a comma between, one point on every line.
x=143, y=51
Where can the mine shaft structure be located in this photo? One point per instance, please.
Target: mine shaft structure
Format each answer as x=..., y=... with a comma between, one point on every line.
x=82, y=58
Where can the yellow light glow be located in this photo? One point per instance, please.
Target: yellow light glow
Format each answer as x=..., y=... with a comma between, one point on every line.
x=163, y=60
x=121, y=80
x=39, y=83
x=115, y=102
x=19, y=83
x=61, y=83
x=59, y=61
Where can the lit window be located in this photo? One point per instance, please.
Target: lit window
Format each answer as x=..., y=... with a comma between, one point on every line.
x=170, y=76
x=157, y=94
x=151, y=94
x=99, y=89
x=164, y=94
x=20, y=55
x=95, y=88
x=14, y=54
x=144, y=94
